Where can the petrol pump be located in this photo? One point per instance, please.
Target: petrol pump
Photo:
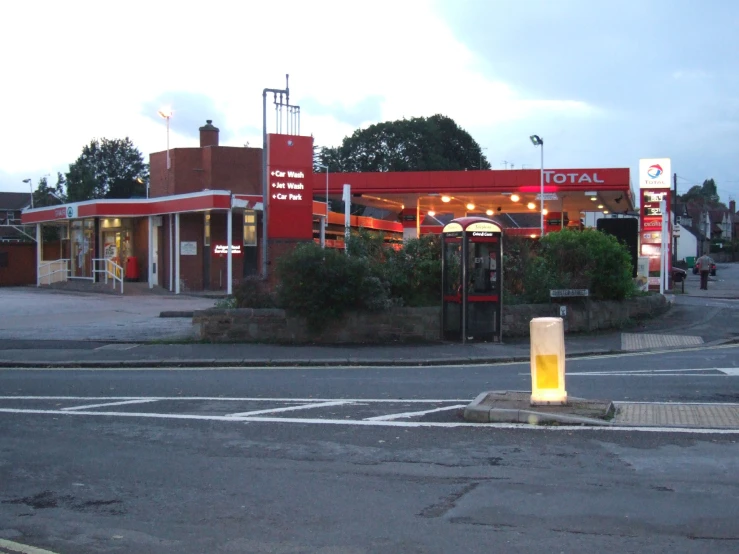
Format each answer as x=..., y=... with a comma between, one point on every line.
x=472, y=280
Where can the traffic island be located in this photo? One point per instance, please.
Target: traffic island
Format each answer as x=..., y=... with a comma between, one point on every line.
x=515, y=407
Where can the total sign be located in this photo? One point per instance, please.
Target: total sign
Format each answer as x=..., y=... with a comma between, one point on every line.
x=654, y=173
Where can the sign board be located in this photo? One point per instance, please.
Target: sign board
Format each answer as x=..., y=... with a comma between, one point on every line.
x=222, y=249
x=567, y=293
x=655, y=173
x=188, y=248
x=290, y=192
x=548, y=196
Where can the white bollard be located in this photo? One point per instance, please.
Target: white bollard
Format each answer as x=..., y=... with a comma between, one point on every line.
x=547, y=361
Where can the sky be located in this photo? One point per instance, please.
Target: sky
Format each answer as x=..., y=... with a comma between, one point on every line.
x=604, y=83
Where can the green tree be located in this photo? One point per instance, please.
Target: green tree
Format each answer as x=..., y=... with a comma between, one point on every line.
x=46, y=195
x=705, y=195
x=108, y=168
x=433, y=143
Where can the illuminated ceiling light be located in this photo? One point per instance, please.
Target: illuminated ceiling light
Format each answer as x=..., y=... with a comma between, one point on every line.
x=515, y=198
x=605, y=211
x=533, y=236
x=489, y=212
x=432, y=213
x=600, y=206
x=531, y=205
x=546, y=211
x=445, y=199
x=470, y=206
x=593, y=198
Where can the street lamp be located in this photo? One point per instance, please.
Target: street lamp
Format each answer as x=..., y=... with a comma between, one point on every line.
x=30, y=184
x=325, y=222
x=166, y=113
x=536, y=140
x=481, y=149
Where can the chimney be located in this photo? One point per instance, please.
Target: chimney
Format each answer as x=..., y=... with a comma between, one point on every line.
x=732, y=206
x=208, y=134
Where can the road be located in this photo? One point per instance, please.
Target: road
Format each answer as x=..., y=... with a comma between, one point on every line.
x=360, y=460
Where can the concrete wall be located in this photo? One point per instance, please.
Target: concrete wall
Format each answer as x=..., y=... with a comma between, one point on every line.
x=409, y=324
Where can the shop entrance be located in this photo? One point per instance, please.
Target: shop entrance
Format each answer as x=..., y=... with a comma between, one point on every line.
x=472, y=275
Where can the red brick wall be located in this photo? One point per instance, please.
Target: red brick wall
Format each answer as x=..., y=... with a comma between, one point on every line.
x=21, y=268
x=236, y=169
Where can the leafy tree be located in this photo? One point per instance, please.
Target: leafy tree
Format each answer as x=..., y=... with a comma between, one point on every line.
x=46, y=195
x=433, y=143
x=705, y=195
x=108, y=169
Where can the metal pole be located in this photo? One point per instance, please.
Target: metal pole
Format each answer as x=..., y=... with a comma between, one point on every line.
x=168, y=161
x=229, y=254
x=265, y=190
x=541, y=186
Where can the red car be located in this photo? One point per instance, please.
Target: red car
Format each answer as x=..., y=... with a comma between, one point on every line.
x=697, y=268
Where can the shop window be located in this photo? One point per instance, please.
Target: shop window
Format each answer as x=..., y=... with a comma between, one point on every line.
x=250, y=228
x=206, y=239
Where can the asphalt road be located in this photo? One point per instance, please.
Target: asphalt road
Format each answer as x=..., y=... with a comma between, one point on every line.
x=359, y=460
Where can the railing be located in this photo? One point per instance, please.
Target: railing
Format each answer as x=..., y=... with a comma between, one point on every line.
x=111, y=270
x=52, y=272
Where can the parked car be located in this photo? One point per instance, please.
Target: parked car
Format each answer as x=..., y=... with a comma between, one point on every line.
x=697, y=268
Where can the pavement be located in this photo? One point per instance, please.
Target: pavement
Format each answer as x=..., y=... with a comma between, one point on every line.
x=71, y=329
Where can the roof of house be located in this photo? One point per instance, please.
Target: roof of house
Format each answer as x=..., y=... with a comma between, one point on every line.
x=14, y=200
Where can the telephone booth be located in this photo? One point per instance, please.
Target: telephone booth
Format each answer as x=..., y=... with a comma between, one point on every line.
x=472, y=280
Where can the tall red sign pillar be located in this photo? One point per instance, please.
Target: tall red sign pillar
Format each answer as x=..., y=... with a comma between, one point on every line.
x=290, y=193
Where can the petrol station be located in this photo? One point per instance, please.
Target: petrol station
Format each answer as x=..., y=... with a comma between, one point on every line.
x=215, y=215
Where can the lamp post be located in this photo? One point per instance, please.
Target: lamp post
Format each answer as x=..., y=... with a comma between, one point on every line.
x=325, y=221
x=538, y=141
x=166, y=113
x=481, y=149
x=30, y=184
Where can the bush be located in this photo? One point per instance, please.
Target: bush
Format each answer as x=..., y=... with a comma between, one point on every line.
x=253, y=292
x=583, y=259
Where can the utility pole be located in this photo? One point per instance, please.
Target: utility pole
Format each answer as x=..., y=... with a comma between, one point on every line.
x=674, y=217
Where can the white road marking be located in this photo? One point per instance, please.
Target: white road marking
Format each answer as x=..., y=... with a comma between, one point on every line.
x=22, y=548
x=291, y=408
x=413, y=414
x=407, y=424
x=247, y=399
x=88, y=406
x=727, y=371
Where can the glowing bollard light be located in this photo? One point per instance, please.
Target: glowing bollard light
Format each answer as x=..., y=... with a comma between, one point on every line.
x=547, y=361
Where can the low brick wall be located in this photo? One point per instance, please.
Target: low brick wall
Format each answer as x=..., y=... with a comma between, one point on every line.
x=407, y=325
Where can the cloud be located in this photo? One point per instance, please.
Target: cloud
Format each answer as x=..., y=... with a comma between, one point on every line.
x=190, y=110
x=362, y=111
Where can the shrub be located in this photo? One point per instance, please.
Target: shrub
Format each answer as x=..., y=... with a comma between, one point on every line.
x=253, y=292
x=583, y=259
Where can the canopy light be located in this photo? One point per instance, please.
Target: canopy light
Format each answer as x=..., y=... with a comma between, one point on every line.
x=605, y=211
x=489, y=212
x=515, y=198
x=432, y=213
x=594, y=198
x=445, y=198
x=531, y=205
x=545, y=212
x=533, y=236
x=600, y=206
x=470, y=206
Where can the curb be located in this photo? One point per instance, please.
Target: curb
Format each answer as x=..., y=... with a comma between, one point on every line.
x=477, y=412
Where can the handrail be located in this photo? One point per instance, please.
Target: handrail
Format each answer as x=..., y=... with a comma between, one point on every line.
x=61, y=265
x=112, y=270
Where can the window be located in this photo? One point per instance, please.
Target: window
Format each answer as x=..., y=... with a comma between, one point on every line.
x=250, y=228
x=206, y=240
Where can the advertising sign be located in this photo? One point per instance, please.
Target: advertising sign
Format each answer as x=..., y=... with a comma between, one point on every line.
x=290, y=196
x=655, y=173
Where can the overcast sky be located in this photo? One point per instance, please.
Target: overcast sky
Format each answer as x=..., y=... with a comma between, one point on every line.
x=604, y=83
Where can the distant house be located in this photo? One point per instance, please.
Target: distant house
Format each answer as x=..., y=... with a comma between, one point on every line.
x=11, y=206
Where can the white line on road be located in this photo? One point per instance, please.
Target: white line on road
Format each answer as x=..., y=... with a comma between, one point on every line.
x=726, y=372
x=363, y=423
x=88, y=406
x=247, y=399
x=413, y=414
x=22, y=548
x=291, y=408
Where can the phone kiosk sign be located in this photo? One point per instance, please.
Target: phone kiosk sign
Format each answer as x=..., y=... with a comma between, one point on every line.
x=472, y=280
